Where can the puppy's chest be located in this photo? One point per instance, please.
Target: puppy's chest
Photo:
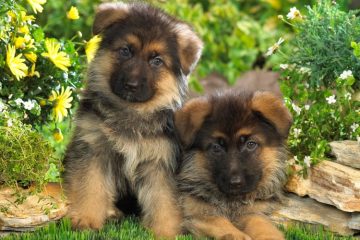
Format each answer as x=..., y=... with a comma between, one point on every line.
x=159, y=150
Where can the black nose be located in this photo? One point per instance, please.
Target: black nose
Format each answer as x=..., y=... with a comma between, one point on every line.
x=131, y=85
x=236, y=180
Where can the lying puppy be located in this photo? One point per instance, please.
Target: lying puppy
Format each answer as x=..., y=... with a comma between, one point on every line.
x=123, y=149
x=233, y=156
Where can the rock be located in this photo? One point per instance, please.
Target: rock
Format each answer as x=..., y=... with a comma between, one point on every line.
x=355, y=221
x=296, y=209
x=36, y=210
x=346, y=152
x=211, y=83
x=331, y=183
x=259, y=80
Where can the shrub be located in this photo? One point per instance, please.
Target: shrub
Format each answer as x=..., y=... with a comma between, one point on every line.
x=320, y=81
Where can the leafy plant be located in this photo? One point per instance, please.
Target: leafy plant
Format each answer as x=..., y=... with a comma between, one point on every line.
x=320, y=80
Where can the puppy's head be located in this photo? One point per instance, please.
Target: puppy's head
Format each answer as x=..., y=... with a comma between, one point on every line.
x=236, y=142
x=145, y=56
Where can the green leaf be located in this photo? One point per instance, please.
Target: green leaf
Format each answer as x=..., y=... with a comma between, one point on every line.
x=38, y=35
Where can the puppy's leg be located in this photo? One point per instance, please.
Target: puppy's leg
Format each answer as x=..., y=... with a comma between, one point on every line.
x=159, y=207
x=260, y=228
x=90, y=196
x=214, y=226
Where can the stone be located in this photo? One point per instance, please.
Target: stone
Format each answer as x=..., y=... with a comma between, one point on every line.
x=346, y=152
x=355, y=221
x=293, y=209
x=37, y=209
x=331, y=183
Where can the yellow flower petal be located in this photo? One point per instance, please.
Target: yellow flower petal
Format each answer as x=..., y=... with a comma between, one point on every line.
x=32, y=57
x=60, y=59
x=20, y=42
x=16, y=63
x=73, y=13
x=91, y=47
x=36, y=5
x=61, y=103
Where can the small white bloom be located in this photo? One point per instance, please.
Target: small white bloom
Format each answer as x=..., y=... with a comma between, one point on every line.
x=307, y=161
x=307, y=107
x=354, y=126
x=29, y=104
x=347, y=96
x=297, y=132
x=305, y=70
x=296, y=158
x=296, y=108
x=10, y=96
x=274, y=47
x=25, y=116
x=19, y=101
x=284, y=66
x=346, y=74
x=9, y=123
x=294, y=13
x=2, y=106
x=331, y=99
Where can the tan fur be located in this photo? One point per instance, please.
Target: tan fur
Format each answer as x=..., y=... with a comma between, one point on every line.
x=274, y=109
x=107, y=14
x=189, y=121
x=86, y=194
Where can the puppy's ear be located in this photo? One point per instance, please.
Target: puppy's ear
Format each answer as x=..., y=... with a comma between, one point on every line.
x=272, y=109
x=190, y=47
x=189, y=119
x=107, y=14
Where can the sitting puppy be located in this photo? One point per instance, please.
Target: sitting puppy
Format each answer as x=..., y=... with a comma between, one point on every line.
x=123, y=149
x=233, y=157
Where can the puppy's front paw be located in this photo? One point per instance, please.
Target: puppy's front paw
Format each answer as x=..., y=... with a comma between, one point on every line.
x=239, y=236
x=82, y=222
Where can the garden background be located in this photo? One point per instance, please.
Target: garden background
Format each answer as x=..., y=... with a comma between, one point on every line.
x=45, y=47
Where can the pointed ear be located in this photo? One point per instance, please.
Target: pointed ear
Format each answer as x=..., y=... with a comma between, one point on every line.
x=272, y=109
x=190, y=47
x=107, y=14
x=190, y=118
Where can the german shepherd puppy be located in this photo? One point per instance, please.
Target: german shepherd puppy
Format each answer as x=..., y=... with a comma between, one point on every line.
x=123, y=146
x=233, y=157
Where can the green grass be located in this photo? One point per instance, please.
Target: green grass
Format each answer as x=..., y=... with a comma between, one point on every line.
x=130, y=229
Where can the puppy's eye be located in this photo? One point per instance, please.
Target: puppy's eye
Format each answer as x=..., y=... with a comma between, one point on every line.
x=216, y=148
x=156, y=61
x=251, y=145
x=125, y=52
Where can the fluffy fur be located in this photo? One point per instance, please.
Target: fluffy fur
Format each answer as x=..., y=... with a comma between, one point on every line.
x=123, y=150
x=233, y=158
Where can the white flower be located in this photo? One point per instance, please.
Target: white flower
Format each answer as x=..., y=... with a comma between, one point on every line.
x=331, y=99
x=305, y=70
x=19, y=101
x=346, y=74
x=296, y=109
x=296, y=158
x=354, y=126
x=274, y=47
x=2, y=106
x=307, y=107
x=294, y=13
x=297, y=132
x=307, y=161
x=29, y=104
x=347, y=96
x=284, y=66
x=9, y=123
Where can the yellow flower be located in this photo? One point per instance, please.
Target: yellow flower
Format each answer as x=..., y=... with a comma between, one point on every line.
x=91, y=47
x=33, y=72
x=57, y=135
x=61, y=102
x=60, y=59
x=20, y=42
x=31, y=57
x=24, y=29
x=16, y=64
x=36, y=5
x=25, y=17
x=73, y=13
